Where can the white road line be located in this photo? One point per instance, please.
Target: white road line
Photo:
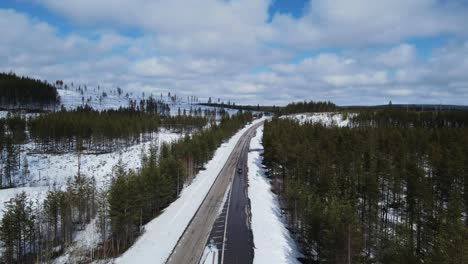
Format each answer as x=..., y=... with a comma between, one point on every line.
x=225, y=222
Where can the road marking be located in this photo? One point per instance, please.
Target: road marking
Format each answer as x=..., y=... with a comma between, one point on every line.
x=231, y=165
x=225, y=222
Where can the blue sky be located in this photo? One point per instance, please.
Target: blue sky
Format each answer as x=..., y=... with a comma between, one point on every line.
x=249, y=51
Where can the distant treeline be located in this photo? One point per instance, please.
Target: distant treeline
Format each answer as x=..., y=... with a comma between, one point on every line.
x=415, y=107
x=306, y=107
x=88, y=128
x=24, y=92
x=292, y=108
x=257, y=108
x=393, y=188
x=404, y=118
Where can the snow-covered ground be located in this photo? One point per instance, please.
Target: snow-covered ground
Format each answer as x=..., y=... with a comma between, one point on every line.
x=327, y=119
x=47, y=170
x=273, y=243
x=85, y=242
x=72, y=98
x=162, y=233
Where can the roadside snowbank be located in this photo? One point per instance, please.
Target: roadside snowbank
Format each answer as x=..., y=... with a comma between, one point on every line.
x=162, y=233
x=210, y=255
x=273, y=243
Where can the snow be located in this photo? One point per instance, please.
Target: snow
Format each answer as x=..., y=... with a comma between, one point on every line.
x=47, y=170
x=71, y=98
x=327, y=119
x=273, y=243
x=59, y=168
x=35, y=193
x=162, y=233
x=210, y=255
x=183, y=105
x=84, y=242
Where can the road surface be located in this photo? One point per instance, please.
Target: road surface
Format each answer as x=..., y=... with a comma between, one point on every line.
x=237, y=245
x=191, y=245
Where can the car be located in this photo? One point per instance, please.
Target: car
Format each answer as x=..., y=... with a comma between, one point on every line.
x=239, y=170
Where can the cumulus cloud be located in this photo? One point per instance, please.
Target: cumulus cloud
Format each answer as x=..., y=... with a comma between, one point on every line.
x=403, y=54
x=207, y=47
x=345, y=23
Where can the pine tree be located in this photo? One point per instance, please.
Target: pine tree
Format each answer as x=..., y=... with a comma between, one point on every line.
x=11, y=164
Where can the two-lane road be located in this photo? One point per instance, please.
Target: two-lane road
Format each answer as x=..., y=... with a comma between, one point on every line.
x=191, y=245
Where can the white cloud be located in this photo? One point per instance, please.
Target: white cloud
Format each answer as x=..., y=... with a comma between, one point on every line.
x=207, y=47
x=399, y=56
x=344, y=23
x=153, y=67
x=399, y=92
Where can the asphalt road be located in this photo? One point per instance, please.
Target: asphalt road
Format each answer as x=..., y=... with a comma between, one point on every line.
x=238, y=243
x=191, y=245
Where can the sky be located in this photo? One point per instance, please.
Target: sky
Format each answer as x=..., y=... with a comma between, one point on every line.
x=270, y=52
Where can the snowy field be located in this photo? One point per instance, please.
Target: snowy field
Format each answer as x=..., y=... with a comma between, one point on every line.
x=162, y=233
x=327, y=119
x=47, y=170
x=71, y=98
x=273, y=243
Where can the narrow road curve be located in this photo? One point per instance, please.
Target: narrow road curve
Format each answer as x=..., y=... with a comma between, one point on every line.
x=191, y=245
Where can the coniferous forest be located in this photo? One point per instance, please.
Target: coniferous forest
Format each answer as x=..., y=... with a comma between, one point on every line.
x=391, y=188
x=305, y=107
x=33, y=231
x=25, y=92
x=102, y=131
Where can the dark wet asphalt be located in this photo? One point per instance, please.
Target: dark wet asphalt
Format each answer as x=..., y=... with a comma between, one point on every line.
x=238, y=242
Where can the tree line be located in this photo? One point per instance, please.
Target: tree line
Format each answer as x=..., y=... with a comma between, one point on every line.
x=306, y=107
x=392, y=188
x=25, y=92
x=101, y=131
x=292, y=108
